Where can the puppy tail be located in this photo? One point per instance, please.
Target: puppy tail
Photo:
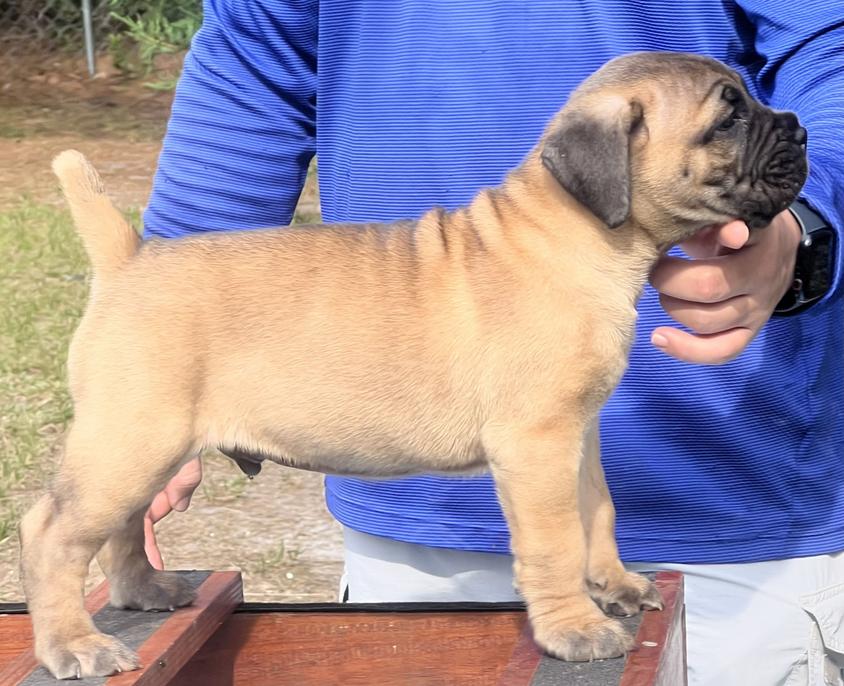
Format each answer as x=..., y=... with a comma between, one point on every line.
x=108, y=238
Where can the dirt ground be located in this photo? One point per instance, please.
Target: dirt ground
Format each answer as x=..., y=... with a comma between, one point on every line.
x=275, y=528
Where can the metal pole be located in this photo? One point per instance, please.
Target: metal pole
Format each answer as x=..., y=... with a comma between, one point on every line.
x=89, y=37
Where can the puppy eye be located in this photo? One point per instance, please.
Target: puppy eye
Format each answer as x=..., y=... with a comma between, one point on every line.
x=729, y=122
x=730, y=94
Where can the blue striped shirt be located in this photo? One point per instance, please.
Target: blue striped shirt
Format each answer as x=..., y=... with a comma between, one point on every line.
x=414, y=103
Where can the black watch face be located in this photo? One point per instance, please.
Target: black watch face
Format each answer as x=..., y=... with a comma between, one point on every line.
x=815, y=264
x=813, y=272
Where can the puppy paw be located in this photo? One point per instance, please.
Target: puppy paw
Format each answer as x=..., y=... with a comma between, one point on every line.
x=155, y=591
x=91, y=655
x=626, y=595
x=599, y=638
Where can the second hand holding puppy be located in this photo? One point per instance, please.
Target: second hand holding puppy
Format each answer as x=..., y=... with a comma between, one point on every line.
x=727, y=291
x=176, y=496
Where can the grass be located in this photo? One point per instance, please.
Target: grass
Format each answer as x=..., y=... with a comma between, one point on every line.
x=275, y=558
x=224, y=484
x=42, y=293
x=43, y=289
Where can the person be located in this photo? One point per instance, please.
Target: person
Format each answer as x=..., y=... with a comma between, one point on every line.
x=723, y=444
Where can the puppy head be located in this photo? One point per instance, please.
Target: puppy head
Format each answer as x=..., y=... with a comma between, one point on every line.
x=674, y=142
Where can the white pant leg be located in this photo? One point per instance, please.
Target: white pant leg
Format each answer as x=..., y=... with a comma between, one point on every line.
x=777, y=623
x=381, y=570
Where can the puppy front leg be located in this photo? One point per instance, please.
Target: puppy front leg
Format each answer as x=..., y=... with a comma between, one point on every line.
x=617, y=591
x=537, y=473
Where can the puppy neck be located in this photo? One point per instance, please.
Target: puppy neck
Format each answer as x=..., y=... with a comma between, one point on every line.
x=562, y=223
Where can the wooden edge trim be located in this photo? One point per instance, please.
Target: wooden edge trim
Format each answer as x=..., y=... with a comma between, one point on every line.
x=165, y=652
x=24, y=664
x=524, y=660
x=644, y=660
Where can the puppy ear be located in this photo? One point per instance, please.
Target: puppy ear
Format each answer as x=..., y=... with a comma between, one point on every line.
x=589, y=155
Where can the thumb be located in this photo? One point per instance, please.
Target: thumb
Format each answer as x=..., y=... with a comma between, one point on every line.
x=716, y=240
x=733, y=235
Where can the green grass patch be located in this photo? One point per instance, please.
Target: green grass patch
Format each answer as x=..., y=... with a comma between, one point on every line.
x=43, y=272
x=43, y=290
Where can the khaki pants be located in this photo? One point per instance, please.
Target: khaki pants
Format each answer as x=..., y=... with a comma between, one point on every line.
x=778, y=623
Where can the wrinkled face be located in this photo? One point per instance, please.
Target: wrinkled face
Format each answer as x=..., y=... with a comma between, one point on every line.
x=675, y=142
x=721, y=154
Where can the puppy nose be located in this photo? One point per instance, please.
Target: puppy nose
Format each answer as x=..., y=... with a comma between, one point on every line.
x=789, y=121
x=791, y=124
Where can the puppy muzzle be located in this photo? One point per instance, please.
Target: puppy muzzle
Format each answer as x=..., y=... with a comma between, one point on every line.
x=775, y=166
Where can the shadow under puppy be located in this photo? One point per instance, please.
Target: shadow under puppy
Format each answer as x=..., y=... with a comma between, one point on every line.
x=487, y=337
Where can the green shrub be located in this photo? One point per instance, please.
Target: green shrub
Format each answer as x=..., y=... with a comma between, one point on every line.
x=145, y=30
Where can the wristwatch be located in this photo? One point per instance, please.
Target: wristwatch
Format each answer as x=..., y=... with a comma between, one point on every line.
x=813, y=267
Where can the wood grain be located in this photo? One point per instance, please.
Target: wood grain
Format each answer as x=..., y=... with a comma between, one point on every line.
x=652, y=662
x=345, y=644
x=165, y=652
x=15, y=638
x=276, y=649
x=524, y=660
x=20, y=667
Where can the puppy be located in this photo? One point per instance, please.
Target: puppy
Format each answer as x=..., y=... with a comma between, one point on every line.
x=484, y=338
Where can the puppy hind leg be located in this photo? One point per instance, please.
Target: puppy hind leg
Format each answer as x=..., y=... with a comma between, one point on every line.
x=100, y=488
x=133, y=582
x=617, y=591
x=54, y=563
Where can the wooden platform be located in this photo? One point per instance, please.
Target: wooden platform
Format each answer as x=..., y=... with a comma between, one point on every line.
x=219, y=641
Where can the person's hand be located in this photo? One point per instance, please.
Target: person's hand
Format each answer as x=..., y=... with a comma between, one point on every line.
x=175, y=496
x=727, y=291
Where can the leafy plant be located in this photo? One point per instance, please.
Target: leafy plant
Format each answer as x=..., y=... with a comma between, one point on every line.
x=148, y=29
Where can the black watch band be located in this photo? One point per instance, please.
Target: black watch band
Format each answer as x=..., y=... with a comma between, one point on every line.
x=813, y=266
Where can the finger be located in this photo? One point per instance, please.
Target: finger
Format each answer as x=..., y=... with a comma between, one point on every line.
x=181, y=487
x=151, y=545
x=733, y=235
x=704, y=348
x=715, y=240
x=708, y=318
x=704, y=280
x=159, y=507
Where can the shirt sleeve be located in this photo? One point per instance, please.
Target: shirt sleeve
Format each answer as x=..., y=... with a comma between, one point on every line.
x=242, y=128
x=800, y=53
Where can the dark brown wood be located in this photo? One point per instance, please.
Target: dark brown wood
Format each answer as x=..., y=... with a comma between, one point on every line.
x=187, y=630
x=168, y=648
x=660, y=657
x=524, y=661
x=276, y=649
x=15, y=638
x=470, y=644
x=19, y=668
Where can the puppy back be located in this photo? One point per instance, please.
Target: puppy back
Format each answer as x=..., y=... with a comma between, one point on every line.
x=108, y=238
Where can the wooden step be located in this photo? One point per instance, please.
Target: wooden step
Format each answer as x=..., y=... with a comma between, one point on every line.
x=392, y=643
x=165, y=641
